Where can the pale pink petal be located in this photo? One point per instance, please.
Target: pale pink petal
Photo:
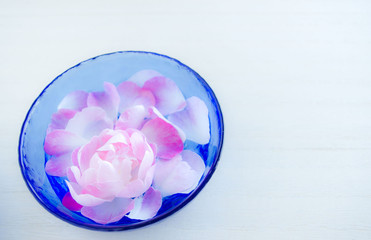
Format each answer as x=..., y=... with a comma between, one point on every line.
x=88, y=178
x=73, y=174
x=137, y=187
x=124, y=168
x=60, y=119
x=178, y=179
x=130, y=131
x=117, y=137
x=74, y=156
x=142, y=76
x=149, y=177
x=133, y=189
x=146, y=206
x=193, y=120
x=84, y=199
x=138, y=144
x=169, y=98
x=58, y=165
x=76, y=100
x=153, y=113
x=108, y=156
x=91, y=121
x=132, y=117
x=165, y=136
x=70, y=203
x=110, y=211
x=197, y=165
x=109, y=100
x=131, y=94
x=109, y=181
x=164, y=169
x=178, y=175
x=154, y=148
x=147, y=162
x=60, y=141
x=87, y=151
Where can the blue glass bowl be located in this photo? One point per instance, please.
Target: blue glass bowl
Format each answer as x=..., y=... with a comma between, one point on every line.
x=89, y=76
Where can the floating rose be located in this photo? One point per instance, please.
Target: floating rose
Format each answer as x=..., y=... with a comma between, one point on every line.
x=122, y=150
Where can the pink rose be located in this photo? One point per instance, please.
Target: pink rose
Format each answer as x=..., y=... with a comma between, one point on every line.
x=116, y=165
x=127, y=164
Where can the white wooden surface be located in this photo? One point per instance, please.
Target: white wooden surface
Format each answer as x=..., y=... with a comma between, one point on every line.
x=294, y=82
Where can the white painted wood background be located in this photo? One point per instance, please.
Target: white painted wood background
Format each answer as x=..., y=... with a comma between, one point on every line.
x=294, y=82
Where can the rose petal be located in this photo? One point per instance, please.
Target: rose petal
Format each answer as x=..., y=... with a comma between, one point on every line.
x=146, y=206
x=109, y=100
x=58, y=165
x=142, y=76
x=73, y=174
x=131, y=94
x=147, y=162
x=165, y=136
x=138, y=144
x=162, y=175
x=154, y=149
x=137, y=187
x=76, y=100
x=169, y=98
x=87, y=151
x=88, y=178
x=109, y=181
x=132, y=118
x=60, y=119
x=193, y=120
x=110, y=211
x=124, y=168
x=196, y=163
x=91, y=121
x=70, y=203
x=117, y=137
x=178, y=175
x=84, y=199
x=153, y=113
x=133, y=189
x=60, y=141
x=74, y=156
